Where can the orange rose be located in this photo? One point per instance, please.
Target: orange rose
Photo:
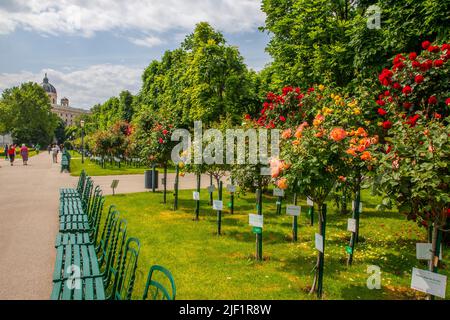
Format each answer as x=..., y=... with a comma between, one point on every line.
x=286, y=134
x=361, y=132
x=338, y=134
x=351, y=152
x=282, y=183
x=366, y=156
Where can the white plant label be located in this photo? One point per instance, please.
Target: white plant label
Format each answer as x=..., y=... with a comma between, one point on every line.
x=196, y=195
x=351, y=225
x=278, y=192
x=293, y=210
x=319, y=242
x=255, y=220
x=360, y=206
x=309, y=202
x=429, y=282
x=424, y=251
x=211, y=189
x=217, y=205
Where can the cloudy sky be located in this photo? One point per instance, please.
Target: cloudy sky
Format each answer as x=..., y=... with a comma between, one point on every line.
x=93, y=49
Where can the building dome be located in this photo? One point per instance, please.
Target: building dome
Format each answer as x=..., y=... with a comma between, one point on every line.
x=47, y=86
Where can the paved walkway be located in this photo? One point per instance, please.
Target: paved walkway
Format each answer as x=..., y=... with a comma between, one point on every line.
x=136, y=183
x=28, y=226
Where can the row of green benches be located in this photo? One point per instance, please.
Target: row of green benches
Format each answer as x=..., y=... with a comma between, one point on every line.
x=95, y=260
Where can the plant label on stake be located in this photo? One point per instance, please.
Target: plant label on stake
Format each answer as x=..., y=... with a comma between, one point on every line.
x=360, y=206
x=319, y=242
x=218, y=205
x=211, y=188
x=293, y=211
x=255, y=220
x=309, y=202
x=429, y=282
x=278, y=192
x=424, y=251
x=351, y=225
x=196, y=195
x=231, y=188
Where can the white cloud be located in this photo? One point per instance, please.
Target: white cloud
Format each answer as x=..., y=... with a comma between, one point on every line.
x=86, y=17
x=84, y=87
x=149, y=41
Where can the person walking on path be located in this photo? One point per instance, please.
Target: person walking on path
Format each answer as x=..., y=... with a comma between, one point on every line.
x=24, y=154
x=12, y=153
x=6, y=151
x=38, y=148
x=49, y=148
x=54, y=154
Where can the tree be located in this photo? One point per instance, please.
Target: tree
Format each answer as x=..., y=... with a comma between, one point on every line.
x=203, y=80
x=413, y=163
x=126, y=106
x=328, y=41
x=28, y=115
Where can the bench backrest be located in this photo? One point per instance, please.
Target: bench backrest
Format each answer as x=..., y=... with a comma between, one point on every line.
x=158, y=289
x=124, y=282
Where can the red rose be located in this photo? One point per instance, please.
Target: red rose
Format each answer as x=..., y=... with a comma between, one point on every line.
x=432, y=100
x=387, y=124
x=381, y=103
x=387, y=93
x=447, y=101
x=165, y=132
x=426, y=44
x=407, y=105
x=248, y=117
x=437, y=115
x=426, y=65
x=416, y=64
x=382, y=112
x=412, y=56
x=445, y=46
x=397, y=86
x=434, y=49
x=161, y=140
x=286, y=90
x=413, y=120
x=438, y=63
x=407, y=90
x=283, y=119
x=418, y=79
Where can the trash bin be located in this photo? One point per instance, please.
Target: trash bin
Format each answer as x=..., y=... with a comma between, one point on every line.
x=149, y=179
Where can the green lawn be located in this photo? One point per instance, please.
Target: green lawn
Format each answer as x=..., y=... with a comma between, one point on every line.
x=93, y=169
x=206, y=266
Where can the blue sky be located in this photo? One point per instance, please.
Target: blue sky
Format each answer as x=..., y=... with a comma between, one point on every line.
x=92, y=50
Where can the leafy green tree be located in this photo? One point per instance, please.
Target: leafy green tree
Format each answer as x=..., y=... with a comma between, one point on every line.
x=328, y=41
x=126, y=106
x=203, y=80
x=26, y=113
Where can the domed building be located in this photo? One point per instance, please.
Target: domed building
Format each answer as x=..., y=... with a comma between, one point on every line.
x=67, y=113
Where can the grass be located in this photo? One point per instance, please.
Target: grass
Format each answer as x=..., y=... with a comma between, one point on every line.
x=31, y=153
x=206, y=266
x=93, y=169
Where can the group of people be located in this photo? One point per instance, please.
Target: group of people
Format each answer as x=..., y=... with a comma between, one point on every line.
x=10, y=153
